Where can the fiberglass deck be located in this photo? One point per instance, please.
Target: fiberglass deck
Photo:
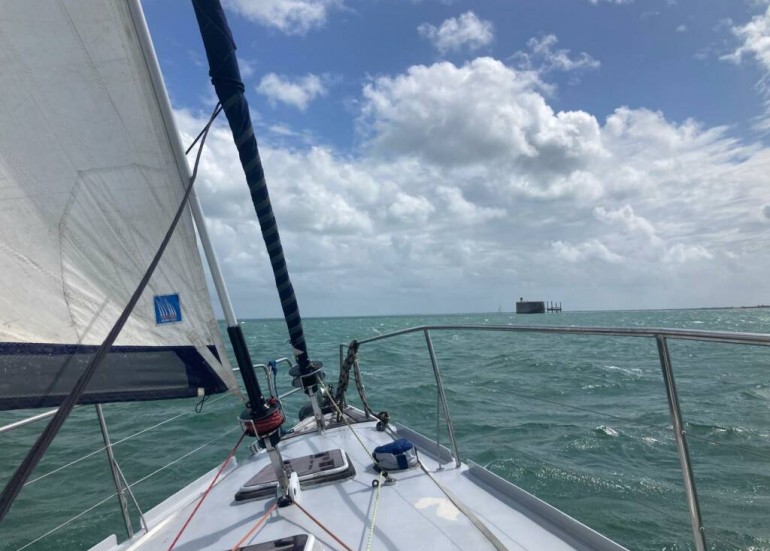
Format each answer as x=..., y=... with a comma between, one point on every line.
x=414, y=513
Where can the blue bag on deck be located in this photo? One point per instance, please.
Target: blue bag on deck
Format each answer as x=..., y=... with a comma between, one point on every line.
x=396, y=456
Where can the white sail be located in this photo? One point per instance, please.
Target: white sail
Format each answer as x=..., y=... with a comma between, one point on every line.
x=88, y=187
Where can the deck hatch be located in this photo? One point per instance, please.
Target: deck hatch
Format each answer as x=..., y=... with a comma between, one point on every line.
x=326, y=466
x=292, y=543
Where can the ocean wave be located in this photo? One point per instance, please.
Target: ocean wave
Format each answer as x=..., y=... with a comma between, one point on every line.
x=650, y=440
x=633, y=372
x=727, y=434
x=759, y=392
x=598, y=386
x=607, y=431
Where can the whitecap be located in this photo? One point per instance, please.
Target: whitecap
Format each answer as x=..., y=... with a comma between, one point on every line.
x=630, y=371
x=607, y=431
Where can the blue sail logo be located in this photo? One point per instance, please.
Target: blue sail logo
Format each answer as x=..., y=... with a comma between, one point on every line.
x=167, y=309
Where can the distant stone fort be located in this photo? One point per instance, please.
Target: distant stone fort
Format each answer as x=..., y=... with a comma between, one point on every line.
x=536, y=307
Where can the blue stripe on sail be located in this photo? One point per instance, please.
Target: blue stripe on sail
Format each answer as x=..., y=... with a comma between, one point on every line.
x=41, y=375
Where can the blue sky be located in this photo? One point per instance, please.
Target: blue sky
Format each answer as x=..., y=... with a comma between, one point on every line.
x=447, y=156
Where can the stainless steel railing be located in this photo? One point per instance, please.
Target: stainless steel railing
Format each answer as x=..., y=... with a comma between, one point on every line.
x=659, y=335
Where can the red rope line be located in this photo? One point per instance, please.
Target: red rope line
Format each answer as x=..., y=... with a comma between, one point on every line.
x=254, y=528
x=206, y=493
x=338, y=540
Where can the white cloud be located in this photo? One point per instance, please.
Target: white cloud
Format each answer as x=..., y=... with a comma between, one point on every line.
x=283, y=130
x=454, y=34
x=297, y=93
x=596, y=2
x=410, y=209
x=289, y=16
x=628, y=221
x=462, y=210
x=247, y=67
x=543, y=58
x=586, y=251
x=681, y=254
x=643, y=240
x=755, y=40
x=478, y=112
x=681, y=28
x=467, y=179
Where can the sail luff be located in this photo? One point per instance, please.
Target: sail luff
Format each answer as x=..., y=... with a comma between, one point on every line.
x=156, y=77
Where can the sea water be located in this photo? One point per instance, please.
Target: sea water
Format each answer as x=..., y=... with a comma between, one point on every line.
x=581, y=422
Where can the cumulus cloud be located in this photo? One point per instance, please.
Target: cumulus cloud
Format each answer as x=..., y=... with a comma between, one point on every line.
x=755, y=41
x=628, y=221
x=477, y=112
x=467, y=178
x=643, y=240
x=588, y=250
x=460, y=209
x=410, y=209
x=681, y=254
x=543, y=57
x=297, y=93
x=288, y=16
x=464, y=32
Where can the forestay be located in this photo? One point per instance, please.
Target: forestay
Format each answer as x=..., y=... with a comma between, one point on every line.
x=89, y=183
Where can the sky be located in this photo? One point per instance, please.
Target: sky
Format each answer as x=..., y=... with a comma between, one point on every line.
x=447, y=156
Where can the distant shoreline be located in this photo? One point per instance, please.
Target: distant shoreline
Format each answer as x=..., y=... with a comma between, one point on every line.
x=758, y=306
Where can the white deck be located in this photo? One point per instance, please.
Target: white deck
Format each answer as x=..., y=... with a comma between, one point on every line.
x=412, y=514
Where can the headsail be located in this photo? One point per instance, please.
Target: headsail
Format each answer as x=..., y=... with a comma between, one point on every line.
x=88, y=185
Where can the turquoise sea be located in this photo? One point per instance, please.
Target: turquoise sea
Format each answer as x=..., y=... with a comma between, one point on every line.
x=581, y=422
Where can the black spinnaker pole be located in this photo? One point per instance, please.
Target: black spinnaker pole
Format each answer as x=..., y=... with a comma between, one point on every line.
x=226, y=78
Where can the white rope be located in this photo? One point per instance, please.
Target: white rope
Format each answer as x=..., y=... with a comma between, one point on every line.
x=374, y=513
